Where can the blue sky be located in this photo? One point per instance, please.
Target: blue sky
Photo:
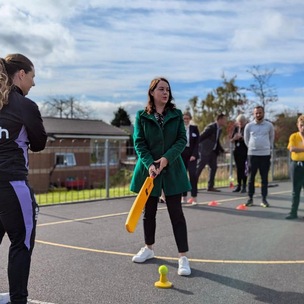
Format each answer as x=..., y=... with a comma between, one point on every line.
x=105, y=53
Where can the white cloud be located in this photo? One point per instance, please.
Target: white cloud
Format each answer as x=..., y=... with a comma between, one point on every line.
x=105, y=110
x=109, y=51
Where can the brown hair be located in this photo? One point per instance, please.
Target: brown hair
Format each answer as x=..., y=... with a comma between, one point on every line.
x=150, y=107
x=259, y=107
x=220, y=116
x=9, y=66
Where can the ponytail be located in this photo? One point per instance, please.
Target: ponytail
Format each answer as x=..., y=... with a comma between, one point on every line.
x=9, y=66
x=5, y=84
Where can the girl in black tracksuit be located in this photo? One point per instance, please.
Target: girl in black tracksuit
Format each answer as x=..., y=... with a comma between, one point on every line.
x=21, y=128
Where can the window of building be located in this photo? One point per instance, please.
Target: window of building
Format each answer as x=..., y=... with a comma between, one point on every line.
x=65, y=159
x=100, y=152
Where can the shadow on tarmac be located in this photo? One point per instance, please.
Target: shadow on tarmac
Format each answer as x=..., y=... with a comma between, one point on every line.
x=249, y=212
x=262, y=294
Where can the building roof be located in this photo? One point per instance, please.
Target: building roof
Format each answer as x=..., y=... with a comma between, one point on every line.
x=81, y=128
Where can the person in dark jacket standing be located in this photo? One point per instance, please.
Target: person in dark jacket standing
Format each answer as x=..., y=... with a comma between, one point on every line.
x=190, y=156
x=240, y=153
x=159, y=139
x=209, y=149
x=21, y=128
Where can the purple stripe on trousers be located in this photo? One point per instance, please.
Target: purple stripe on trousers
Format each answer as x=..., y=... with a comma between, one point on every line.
x=23, y=193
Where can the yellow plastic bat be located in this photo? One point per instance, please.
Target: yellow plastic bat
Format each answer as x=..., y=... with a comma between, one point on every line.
x=139, y=204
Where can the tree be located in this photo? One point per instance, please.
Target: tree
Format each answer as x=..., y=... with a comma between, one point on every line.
x=65, y=108
x=285, y=124
x=227, y=99
x=262, y=88
x=75, y=110
x=121, y=118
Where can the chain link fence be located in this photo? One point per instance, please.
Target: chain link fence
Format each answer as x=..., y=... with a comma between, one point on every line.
x=72, y=174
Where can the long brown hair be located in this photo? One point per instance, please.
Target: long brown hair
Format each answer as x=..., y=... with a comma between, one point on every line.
x=150, y=107
x=9, y=66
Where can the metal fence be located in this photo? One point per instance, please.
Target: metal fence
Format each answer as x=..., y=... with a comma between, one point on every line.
x=70, y=174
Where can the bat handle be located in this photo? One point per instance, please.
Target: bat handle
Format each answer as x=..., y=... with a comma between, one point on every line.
x=156, y=165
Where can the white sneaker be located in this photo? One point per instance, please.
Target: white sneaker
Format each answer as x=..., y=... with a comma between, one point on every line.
x=143, y=254
x=183, y=267
x=4, y=298
x=184, y=200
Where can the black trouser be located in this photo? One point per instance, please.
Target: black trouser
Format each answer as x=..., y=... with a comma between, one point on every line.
x=18, y=215
x=191, y=167
x=211, y=161
x=297, y=177
x=240, y=162
x=261, y=163
x=177, y=218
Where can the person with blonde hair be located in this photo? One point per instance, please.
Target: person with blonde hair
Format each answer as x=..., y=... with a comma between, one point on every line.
x=296, y=148
x=240, y=153
x=21, y=129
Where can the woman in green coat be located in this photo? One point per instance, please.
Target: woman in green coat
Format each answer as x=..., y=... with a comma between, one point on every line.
x=159, y=139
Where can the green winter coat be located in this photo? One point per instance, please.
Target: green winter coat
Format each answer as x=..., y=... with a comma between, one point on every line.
x=151, y=142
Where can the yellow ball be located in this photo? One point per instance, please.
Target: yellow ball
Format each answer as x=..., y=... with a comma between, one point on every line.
x=163, y=269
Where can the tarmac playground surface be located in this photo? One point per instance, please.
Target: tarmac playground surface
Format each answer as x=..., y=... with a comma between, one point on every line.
x=83, y=253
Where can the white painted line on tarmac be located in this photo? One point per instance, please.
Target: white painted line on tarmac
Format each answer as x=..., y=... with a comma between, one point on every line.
x=82, y=219
x=37, y=302
x=160, y=208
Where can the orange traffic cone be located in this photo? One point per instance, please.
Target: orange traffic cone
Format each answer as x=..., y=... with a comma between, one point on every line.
x=213, y=203
x=231, y=179
x=241, y=207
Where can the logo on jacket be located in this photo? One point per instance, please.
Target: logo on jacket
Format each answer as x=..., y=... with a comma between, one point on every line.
x=4, y=132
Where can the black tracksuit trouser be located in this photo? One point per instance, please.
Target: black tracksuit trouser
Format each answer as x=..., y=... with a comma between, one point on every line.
x=177, y=218
x=240, y=162
x=18, y=216
x=297, y=177
x=191, y=168
x=262, y=164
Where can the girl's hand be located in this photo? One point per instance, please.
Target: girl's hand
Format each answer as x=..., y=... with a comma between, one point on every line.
x=163, y=162
x=153, y=171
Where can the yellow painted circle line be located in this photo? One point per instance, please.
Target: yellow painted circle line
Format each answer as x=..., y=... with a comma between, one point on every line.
x=167, y=258
x=159, y=257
